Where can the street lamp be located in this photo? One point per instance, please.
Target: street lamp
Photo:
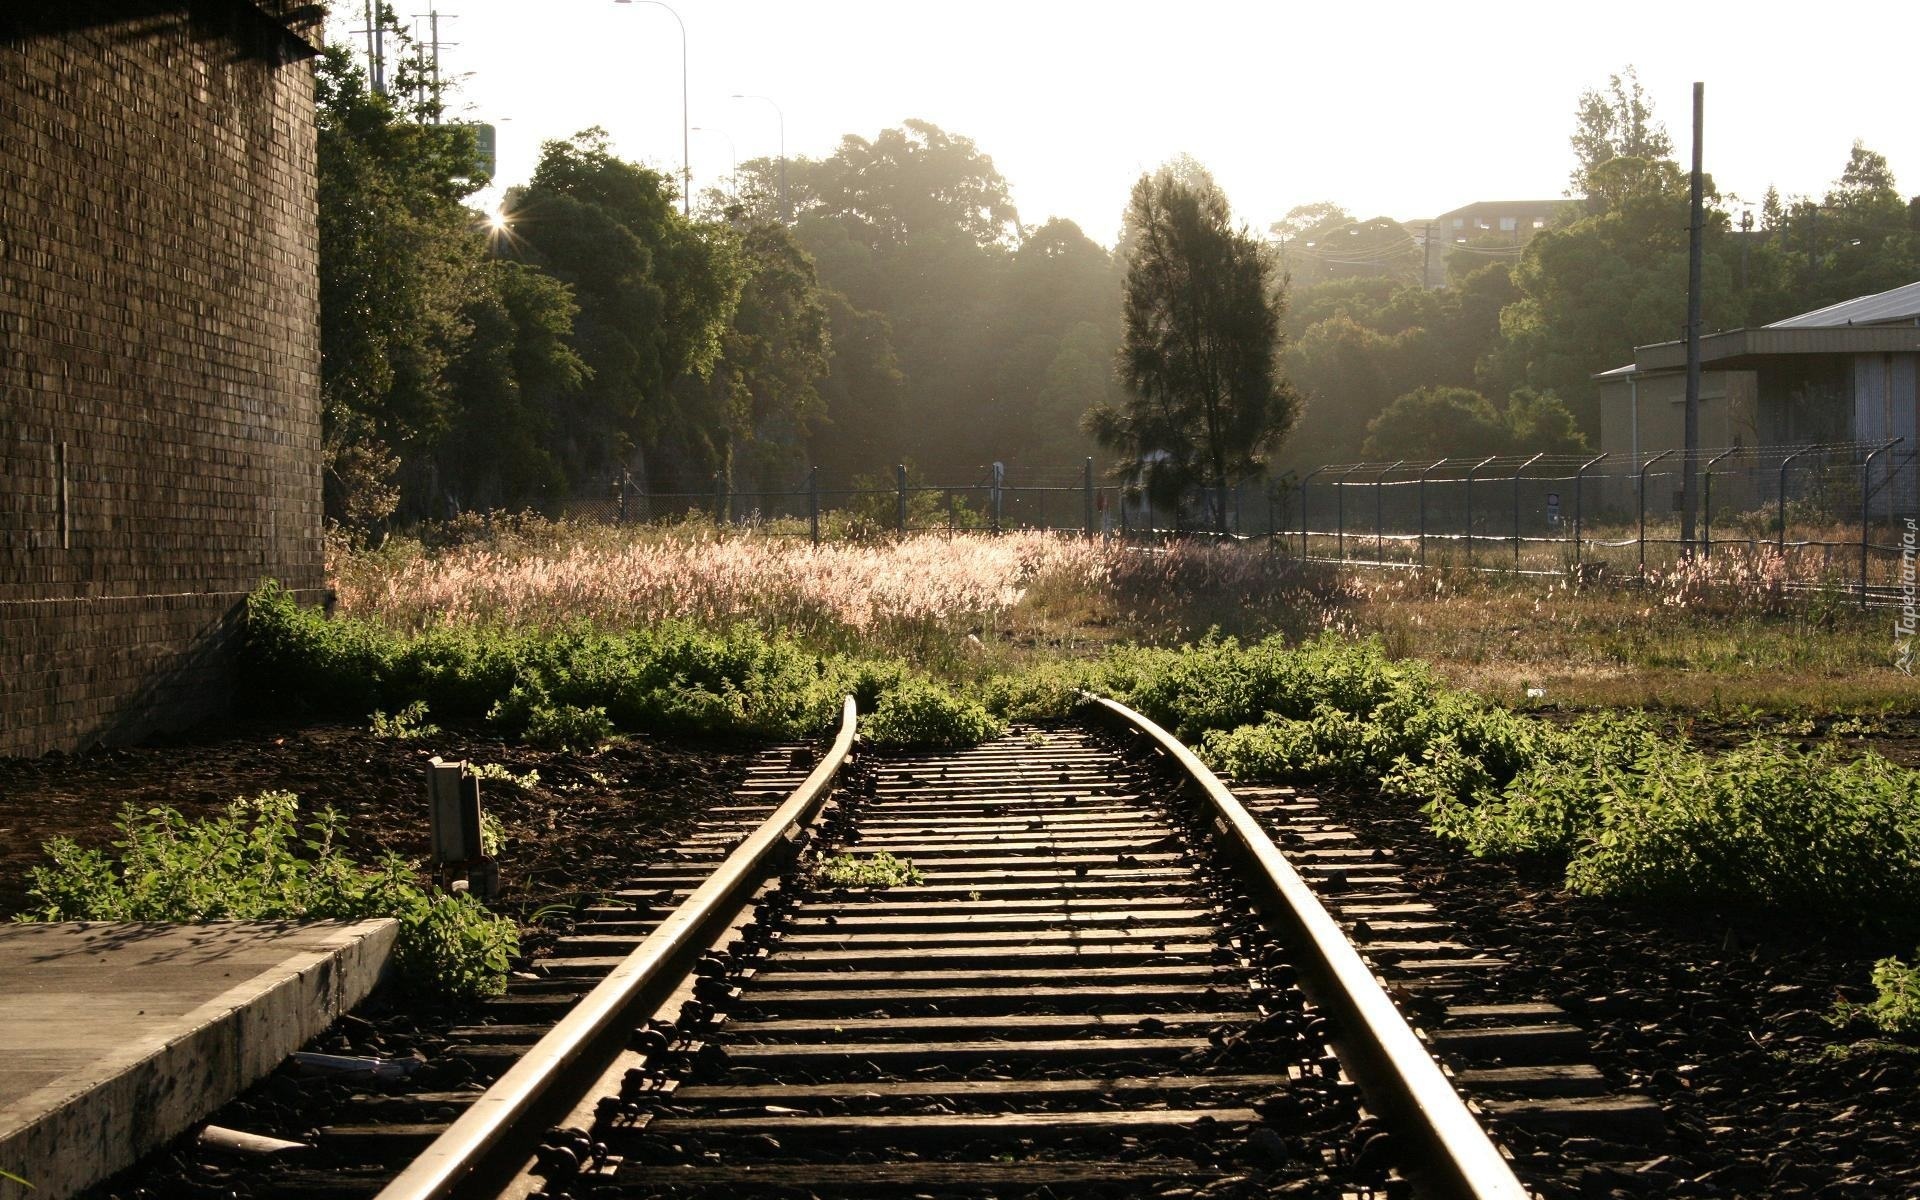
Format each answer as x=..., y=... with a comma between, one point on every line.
x=786, y=211
x=686, y=168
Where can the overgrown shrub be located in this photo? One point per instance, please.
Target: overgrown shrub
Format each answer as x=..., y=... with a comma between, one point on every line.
x=917, y=712
x=573, y=686
x=253, y=864
x=1766, y=824
x=1627, y=811
x=1895, y=1007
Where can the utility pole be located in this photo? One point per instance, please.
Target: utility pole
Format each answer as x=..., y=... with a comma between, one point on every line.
x=1695, y=229
x=1746, y=239
x=433, y=47
x=373, y=69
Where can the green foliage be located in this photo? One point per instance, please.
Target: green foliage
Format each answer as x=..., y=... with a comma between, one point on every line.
x=431, y=350
x=578, y=687
x=1628, y=811
x=1613, y=125
x=1435, y=422
x=499, y=772
x=1200, y=353
x=573, y=686
x=410, y=722
x=1895, y=1007
x=656, y=296
x=918, y=712
x=531, y=715
x=1766, y=825
x=878, y=870
x=252, y=863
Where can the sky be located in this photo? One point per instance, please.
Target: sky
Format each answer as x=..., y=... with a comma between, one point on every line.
x=1387, y=109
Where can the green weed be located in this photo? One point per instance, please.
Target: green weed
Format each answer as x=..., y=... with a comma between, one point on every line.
x=921, y=713
x=499, y=772
x=878, y=870
x=410, y=722
x=255, y=862
x=1896, y=1007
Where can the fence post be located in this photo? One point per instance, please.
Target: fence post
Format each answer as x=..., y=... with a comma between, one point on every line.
x=1423, y=508
x=719, y=499
x=1866, y=499
x=813, y=503
x=1781, y=548
x=1379, y=528
x=623, y=497
x=1516, y=506
x=1643, y=505
x=1340, y=508
x=1303, y=508
x=1470, y=472
x=900, y=480
x=1706, y=504
x=1087, y=486
x=1579, y=508
x=999, y=479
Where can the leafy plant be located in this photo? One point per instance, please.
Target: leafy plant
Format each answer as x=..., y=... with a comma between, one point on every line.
x=878, y=870
x=1896, y=1007
x=493, y=835
x=500, y=773
x=410, y=722
x=921, y=713
x=252, y=863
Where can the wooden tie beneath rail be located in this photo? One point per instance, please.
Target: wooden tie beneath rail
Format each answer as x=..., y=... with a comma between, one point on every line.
x=1049, y=1010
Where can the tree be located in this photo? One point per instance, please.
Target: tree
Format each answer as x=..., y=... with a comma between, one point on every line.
x=1610, y=124
x=1200, y=351
x=395, y=255
x=1857, y=239
x=764, y=390
x=656, y=294
x=1431, y=423
x=1323, y=241
x=514, y=372
x=1592, y=291
x=864, y=392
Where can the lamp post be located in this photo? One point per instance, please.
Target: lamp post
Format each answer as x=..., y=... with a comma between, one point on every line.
x=786, y=210
x=686, y=140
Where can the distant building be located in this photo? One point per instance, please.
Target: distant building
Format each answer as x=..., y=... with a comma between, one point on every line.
x=1849, y=372
x=1493, y=230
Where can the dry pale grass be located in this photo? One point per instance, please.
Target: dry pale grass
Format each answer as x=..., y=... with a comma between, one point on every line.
x=1719, y=636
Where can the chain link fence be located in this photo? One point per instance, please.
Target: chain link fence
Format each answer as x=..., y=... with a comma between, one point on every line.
x=1836, y=514
x=1828, y=515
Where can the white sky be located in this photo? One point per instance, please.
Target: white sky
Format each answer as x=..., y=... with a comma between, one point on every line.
x=1388, y=109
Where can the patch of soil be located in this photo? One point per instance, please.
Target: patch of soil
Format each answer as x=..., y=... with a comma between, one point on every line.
x=1894, y=736
x=577, y=830
x=1720, y=1016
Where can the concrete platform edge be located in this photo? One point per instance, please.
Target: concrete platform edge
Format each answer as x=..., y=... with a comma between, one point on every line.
x=236, y=1039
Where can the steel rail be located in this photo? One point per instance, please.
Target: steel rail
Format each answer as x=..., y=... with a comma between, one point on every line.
x=461, y=1147
x=1387, y=1055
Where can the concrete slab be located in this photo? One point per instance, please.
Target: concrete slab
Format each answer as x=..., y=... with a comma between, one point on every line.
x=116, y=1037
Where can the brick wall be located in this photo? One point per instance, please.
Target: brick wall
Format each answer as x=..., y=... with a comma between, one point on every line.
x=159, y=356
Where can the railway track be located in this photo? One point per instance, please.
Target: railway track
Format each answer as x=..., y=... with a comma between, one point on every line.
x=1107, y=981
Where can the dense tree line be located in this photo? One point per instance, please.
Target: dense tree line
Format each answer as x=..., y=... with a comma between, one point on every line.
x=904, y=313
x=1502, y=359
x=595, y=335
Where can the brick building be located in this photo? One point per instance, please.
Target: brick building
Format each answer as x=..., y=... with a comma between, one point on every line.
x=159, y=352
